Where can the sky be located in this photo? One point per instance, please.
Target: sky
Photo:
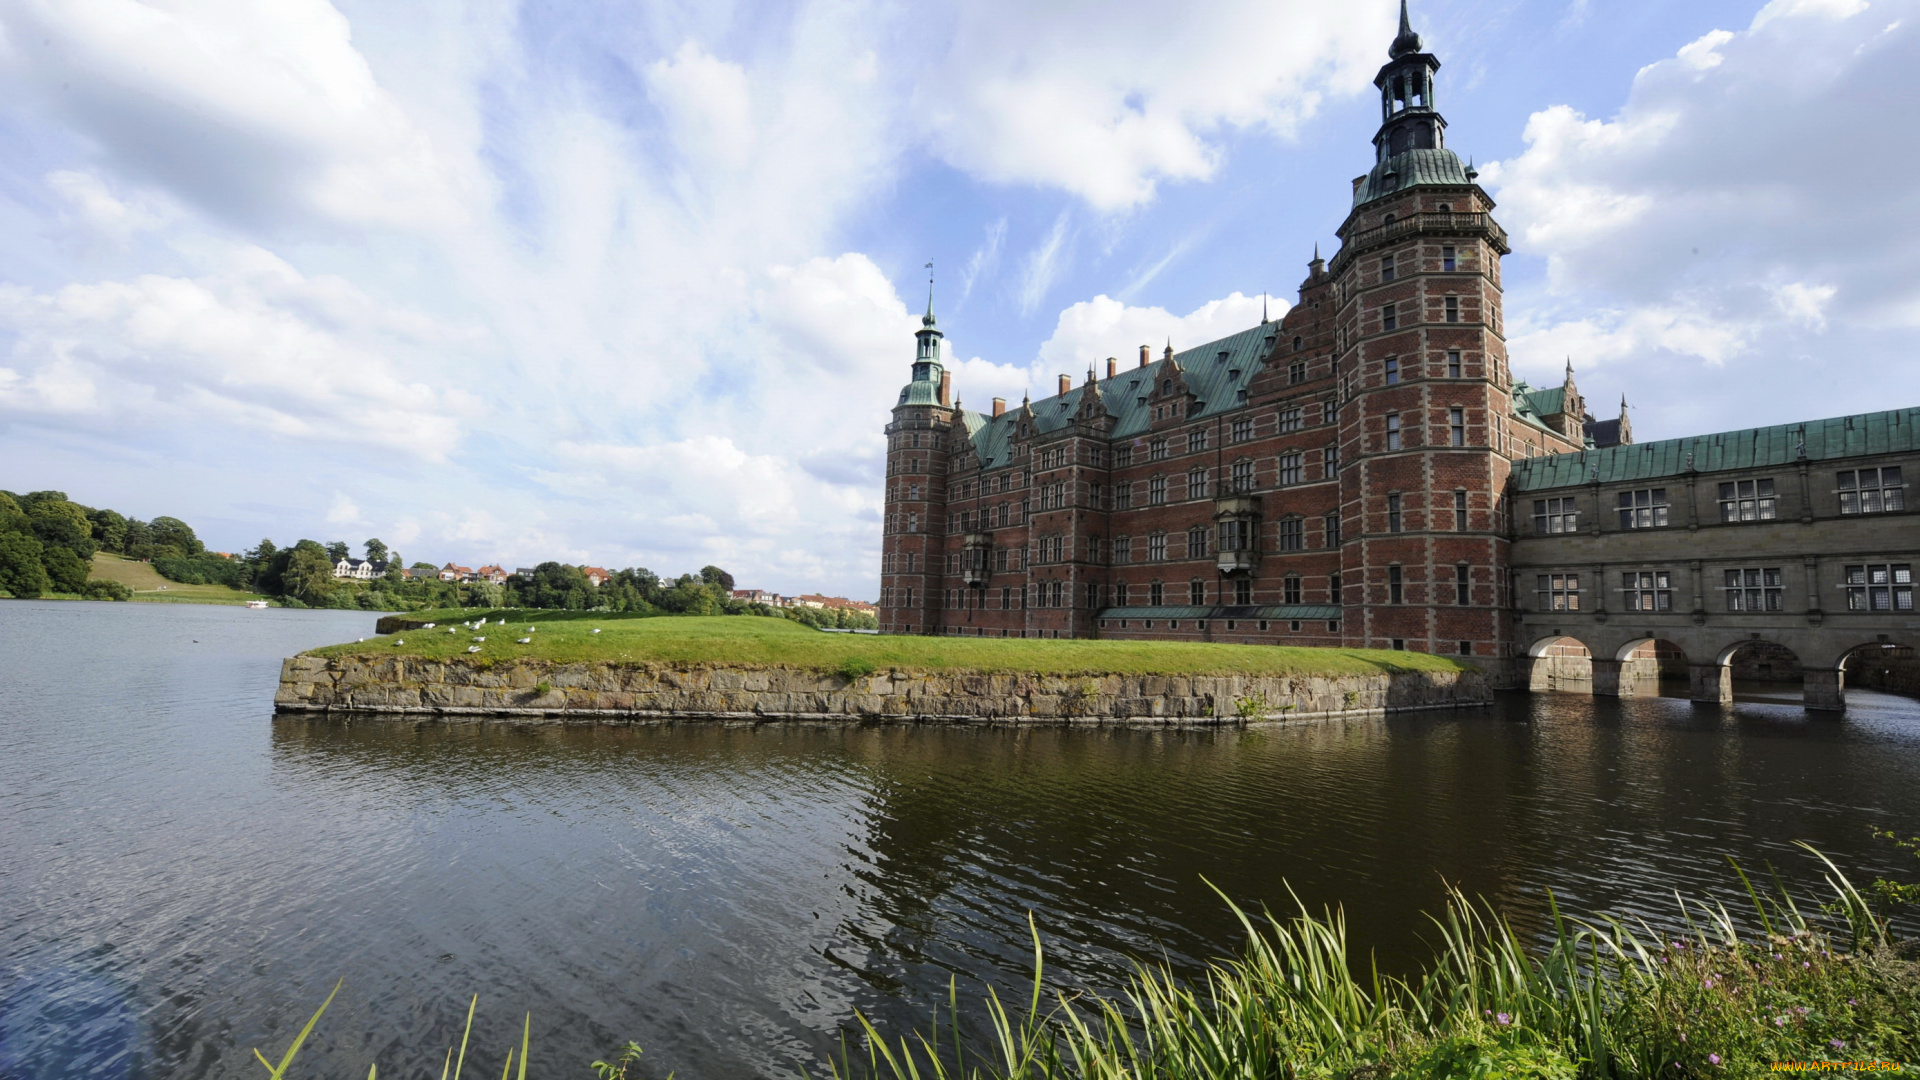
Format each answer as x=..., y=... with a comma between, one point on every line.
x=634, y=284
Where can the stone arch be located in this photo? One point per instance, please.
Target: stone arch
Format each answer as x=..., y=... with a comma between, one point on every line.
x=1560, y=662
x=1642, y=667
x=1763, y=660
x=1890, y=666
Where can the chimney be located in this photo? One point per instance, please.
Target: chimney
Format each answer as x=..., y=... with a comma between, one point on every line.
x=1357, y=181
x=1113, y=367
x=946, y=387
x=1066, y=383
x=999, y=406
x=1143, y=356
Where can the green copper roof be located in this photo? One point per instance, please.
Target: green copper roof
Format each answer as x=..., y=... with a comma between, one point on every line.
x=1544, y=402
x=1825, y=440
x=1411, y=168
x=920, y=392
x=1215, y=373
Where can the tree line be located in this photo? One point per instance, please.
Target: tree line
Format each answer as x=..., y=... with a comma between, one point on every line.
x=47, y=544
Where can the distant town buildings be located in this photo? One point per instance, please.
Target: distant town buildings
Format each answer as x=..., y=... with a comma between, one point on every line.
x=359, y=569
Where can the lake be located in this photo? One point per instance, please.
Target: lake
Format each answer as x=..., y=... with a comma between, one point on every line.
x=184, y=877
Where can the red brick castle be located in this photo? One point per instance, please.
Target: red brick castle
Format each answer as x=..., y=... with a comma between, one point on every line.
x=1338, y=477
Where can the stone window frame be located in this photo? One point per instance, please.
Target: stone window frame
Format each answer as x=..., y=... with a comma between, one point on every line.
x=1884, y=494
x=1390, y=370
x=1334, y=589
x=1330, y=529
x=1291, y=418
x=1197, y=540
x=1293, y=469
x=1156, y=593
x=1396, y=584
x=1197, y=592
x=1387, y=268
x=1453, y=309
x=1462, y=584
x=1556, y=516
x=1454, y=367
x=1122, y=457
x=1866, y=584
x=1242, y=429
x=1389, y=317
x=1330, y=461
x=1156, y=491
x=1242, y=592
x=1396, y=518
x=1449, y=259
x=1748, y=500
x=1393, y=441
x=1197, y=483
x=1296, y=373
x=1290, y=589
x=1643, y=508
x=1755, y=588
x=1197, y=440
x=1456, y=426
x=1157, y=450
x=1122, y=550
x=1292, y=533
x=1557, y=591
x=1646, y=590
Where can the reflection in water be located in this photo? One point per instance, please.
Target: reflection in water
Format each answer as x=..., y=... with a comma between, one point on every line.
x=728, y=895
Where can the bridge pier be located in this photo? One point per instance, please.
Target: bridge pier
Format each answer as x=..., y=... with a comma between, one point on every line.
x=1607, y=680
x=1710, y=683
x=1825, y=689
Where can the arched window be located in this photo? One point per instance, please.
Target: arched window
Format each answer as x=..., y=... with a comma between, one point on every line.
x=1298, y=343
x=1166, y=386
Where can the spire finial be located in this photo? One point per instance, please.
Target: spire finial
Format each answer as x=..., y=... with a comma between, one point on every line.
x=927, y=320
x=1263, y=310
x=1408, y=41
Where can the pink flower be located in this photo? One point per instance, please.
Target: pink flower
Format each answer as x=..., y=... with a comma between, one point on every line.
x=1714, y=1058
x=1709, y=984
x=1504, y=1018
x=1837, y=1044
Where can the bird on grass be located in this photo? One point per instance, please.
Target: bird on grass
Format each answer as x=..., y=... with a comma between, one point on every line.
x=473, y=648
x=480, y=639
x=524, y=641
x=399, y=641
x=596, y=629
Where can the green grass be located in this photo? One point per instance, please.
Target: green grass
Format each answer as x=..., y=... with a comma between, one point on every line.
x=746, y=640
x=149, y=586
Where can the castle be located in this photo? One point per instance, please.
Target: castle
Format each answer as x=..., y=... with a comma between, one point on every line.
x=1363, y=472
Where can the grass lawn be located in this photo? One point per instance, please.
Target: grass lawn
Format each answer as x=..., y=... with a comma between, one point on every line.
x=150, y=586
x=751, y=640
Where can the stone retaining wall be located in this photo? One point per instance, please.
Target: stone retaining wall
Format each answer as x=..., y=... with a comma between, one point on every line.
x=533, y=690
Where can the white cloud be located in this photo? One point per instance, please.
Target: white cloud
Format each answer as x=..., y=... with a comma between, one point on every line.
x=1745, y=207
x=1043, y=266
x=1107, y=101
x=1092, y=330
x=342, y=511
x=103, y=211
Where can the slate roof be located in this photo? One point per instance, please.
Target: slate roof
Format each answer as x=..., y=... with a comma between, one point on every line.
x=1604, y=433
x=1214, y=373
x=1888, y=432
x=1411, y=168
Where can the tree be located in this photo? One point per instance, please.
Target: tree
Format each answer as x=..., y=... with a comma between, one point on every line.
x=308, y=574
x=65, y=570
x=713, y=575
x=169, y=532
x=376, y=551
x=338, y=550
x=109, y=530
x=61, y=524
x=139, y=542
x=21, y=572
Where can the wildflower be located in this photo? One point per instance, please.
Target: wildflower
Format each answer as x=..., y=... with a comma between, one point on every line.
x=1850, y=1001
x=1504, y=1018
x=1709, y=984
x=1683, y=1036
x=1714, y=1058
x=1837, y=1044
x=1779, y=1021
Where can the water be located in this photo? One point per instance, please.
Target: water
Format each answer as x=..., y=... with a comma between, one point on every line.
x=184, y=877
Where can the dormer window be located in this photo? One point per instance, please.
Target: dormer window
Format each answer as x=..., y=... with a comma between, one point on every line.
x=1222, y=358
x=1233, y=373
x=1166, y=386
x=1298, y=343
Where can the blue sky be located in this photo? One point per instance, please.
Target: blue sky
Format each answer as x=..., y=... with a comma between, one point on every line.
x=635, y=284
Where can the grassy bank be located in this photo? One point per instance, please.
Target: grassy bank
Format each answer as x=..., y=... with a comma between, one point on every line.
x=745, y=640
x=1789, y=982
x=149, y=586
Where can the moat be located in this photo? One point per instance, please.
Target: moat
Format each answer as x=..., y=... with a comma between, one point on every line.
x=183, y=876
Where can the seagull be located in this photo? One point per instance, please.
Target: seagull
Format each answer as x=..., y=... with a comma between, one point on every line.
x=473, y=648
x=399, y=641
x=596, y=629
x=429, y=626
x=525, y=640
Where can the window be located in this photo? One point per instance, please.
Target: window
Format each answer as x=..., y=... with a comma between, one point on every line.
x=1156, y=491
x=1555, y=516
x=1242, y=476
x=1197, y=592
x=1236, y=534
x=1389, y=318
x=1196, y=483
x=1644, y=509
x=1647, y=590
x=1393, y=371
x=1393, y=513
x=1243, y=591
x=1330, y=461
x=1243, y=429
x=1459, y=511
x=1123, y=495
x=1157, y=450
x=1293, y=534
x=1394, y=594
x=1122, y=456
x=1453, y=309
x=1197, y=542
x=1871, y=491
x=1166, y=386
x=1753, y=590
x=1197, y=441
x=1296, y=373
x=1120, y=596
x=1290, y=419
x=1447, y=262
x=1747, y=500
x=1331, y=525
x=1453, y=363
x=1290, y=589
x=1456, y=427
x=1558, y=592
x=1290, y=470
x=1333, y=588
x=1393, y=431
x=1122, y=550
x=1386, y=268
x=1462, y=585
x=1880, y=587
x=1298, y=343
x=1157, y=547
x=1156, y=594
x=913, y=491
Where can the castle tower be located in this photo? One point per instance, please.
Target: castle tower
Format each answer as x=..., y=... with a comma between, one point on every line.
x=912, y=557
x=1425, y=415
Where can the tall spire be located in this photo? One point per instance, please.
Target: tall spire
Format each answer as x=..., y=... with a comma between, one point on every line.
x=927, y=320
x=1263, y=310
x=1408, y=41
